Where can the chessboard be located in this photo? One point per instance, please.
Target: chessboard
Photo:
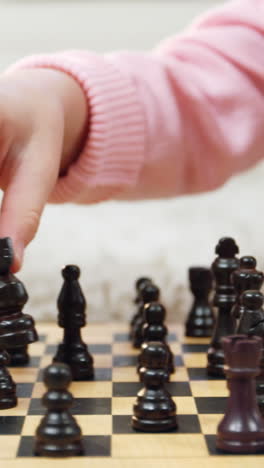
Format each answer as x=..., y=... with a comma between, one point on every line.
x=103, y=407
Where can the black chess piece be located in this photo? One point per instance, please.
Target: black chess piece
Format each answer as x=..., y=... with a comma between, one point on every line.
x=201, y=320
x=224, y=265
x=154, y=410
x=17, y=329
x=242, y=428
x=58, y=434
x=252, y=324
x=139, y=285
x=154, y=329
x=246, y=277
x=149, y=293
x=253, y=314
x=71, y=304
x=8, y=398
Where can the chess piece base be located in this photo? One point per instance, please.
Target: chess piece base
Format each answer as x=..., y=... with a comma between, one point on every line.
x=79, y=360
x=201, y=325
x=240, y=445
x=51, y=450
x=81, y=373
x=162, y=425
x=8, y=401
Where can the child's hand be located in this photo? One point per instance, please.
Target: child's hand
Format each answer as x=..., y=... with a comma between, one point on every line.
x=42, y=119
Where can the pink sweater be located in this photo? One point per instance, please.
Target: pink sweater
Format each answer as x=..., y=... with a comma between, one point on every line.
x=178, y=120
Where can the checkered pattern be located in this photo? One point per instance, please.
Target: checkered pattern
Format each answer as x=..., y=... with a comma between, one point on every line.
x=103, y=407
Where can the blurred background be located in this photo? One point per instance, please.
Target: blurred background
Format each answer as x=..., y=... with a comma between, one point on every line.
x=114, y=242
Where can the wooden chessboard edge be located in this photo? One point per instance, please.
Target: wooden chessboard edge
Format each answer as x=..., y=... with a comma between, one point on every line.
x=230, y=461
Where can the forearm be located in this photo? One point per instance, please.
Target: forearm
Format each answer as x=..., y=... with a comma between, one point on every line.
x=180, y=120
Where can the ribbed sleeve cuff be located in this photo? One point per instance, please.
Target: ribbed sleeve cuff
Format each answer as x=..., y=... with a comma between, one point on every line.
x=113, y=153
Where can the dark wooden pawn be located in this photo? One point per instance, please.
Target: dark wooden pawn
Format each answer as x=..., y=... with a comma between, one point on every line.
x=139, y=285
x=71, y=304
x=8, y=398
x=154, y=410
x=245, y=278
x=154, y=329
x=58, y=434
x=17, y=329
x=252, y=323
x=201, y=320
x=224, y=265
x=253, y=314
x=242, y=428
x=150, y=293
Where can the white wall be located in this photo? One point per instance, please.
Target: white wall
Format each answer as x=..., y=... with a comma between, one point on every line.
x=115, y=242
x=28, y=27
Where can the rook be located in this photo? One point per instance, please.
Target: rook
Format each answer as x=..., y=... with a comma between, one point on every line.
x=242, y=428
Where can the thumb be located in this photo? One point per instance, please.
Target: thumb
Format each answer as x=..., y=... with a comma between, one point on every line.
x=27, y=192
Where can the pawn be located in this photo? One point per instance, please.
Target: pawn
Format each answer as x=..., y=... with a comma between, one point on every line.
x=8, y=398
x=140, y=284
x=253, y=315
x=58, y=434
x=154, y=410
x=150, y=293
x=242, y=428
x=200, y=321
x=71, y=304
x=245, y=278
x=154, y=329
x=17, y=329
x=252, y=323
